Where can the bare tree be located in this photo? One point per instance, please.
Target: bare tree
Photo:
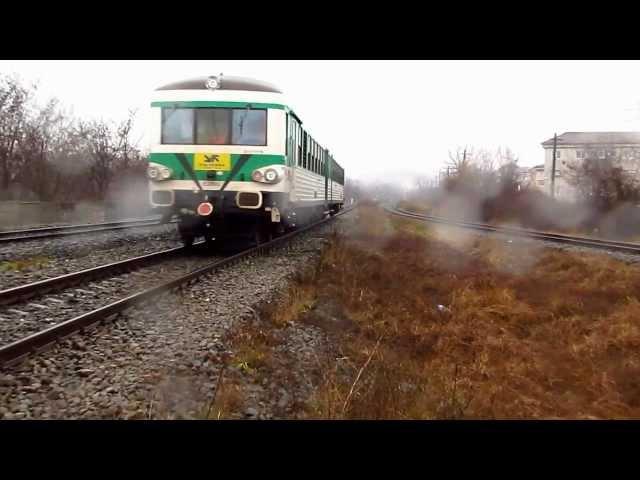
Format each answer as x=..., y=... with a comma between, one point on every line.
x=601, y=180
x=508, y=172
x=128, y=154
x=14, y=99
x=459, y=162
x=98, y=137
x=423, y=183
x=51, y=154
x=71, y=160
x=37, y=149
x=471, y=172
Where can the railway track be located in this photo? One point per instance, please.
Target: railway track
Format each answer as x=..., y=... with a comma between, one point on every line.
x=49, y=285
x=613, y=245
x=43, y=339
x=9, y=236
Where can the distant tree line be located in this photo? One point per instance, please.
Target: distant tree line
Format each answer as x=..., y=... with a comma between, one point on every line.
x=48, y=154
x=489, y=186
x=482, y=172
x=477, y=174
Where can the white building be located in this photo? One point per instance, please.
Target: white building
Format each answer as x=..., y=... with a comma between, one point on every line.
x=536, y=178
x=571, y=148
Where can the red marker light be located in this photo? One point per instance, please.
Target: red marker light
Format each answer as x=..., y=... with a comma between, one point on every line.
x=205, y=209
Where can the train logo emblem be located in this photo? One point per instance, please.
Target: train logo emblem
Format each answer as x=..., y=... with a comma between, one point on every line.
x=212, y=161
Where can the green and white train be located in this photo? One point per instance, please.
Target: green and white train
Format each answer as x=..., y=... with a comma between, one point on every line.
x=229, y=156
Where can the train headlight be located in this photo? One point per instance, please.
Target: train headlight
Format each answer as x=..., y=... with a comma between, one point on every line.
x=158, y=172
x=212, y=83
x=271, y=175
x=165, y=172
x=153, y=172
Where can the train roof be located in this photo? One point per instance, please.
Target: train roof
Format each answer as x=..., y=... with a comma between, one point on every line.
x=225, y=83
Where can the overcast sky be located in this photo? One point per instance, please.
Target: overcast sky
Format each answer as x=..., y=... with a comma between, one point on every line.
x=383, y=117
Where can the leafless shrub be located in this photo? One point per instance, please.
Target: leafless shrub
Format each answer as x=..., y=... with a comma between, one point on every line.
x=45, y=151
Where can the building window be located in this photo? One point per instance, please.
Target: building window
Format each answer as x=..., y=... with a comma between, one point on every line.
x=579, y=153
x=557, y=153
x=600, y=153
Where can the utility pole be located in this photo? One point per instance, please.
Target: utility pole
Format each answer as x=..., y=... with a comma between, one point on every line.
x=553, y=167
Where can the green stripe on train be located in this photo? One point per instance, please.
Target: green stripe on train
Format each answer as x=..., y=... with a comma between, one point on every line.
x=255, y=161
x=203, y=103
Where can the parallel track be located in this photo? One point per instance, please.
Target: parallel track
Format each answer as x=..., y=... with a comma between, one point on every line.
x=66, y=230
x=24, y=292
x=614, y=245
x=37, y=342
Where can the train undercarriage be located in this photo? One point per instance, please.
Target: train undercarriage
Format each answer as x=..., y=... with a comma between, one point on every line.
x=222, y=223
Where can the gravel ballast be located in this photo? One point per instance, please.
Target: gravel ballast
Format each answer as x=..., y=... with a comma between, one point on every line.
x=21, y=319
x=52, y=257
x=163, y=360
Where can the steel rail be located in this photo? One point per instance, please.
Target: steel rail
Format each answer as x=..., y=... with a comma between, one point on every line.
x=588, y=242
x=16, y=351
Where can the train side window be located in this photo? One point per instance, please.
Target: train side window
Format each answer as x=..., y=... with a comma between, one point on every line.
x=315, y=158
x=295, y=144
x=304, y=149
x=299, y=144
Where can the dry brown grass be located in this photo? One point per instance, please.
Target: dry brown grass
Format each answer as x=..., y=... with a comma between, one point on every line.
x=228, y=401
x=30, y=263
x=300, y=298
x=491, y=331
x=252, y=354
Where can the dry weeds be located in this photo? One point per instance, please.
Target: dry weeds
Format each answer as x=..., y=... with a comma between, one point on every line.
x=492, y=331
x=31, y=263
